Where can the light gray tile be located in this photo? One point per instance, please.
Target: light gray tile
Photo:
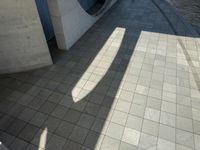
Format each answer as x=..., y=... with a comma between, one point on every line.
x=150, y=127
x=167, y=133
x=185, y=138
x=115, y=131
x=131, y=136
x=134, y=122
x=147, y=141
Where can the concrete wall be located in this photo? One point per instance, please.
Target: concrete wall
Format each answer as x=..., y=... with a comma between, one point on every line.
x=70, y=21
x=22, y=42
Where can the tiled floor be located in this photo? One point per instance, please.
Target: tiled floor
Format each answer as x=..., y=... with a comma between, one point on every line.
x=127, y=84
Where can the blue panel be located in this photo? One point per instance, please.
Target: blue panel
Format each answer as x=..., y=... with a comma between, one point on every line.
x=45, y=18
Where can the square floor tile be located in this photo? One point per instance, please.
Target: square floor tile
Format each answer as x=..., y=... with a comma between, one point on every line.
x=123, y=106
x=152, y=114
x=150, y=127
x=64, y=129
x=167, y=133
x=134, y=122
x=147, y=141
x=55, y=142
x=115, y=131
x=119, y=117
x=79, y=134
x=110, y=144
x=131, y=136
x=86, y=121
x=185, y=138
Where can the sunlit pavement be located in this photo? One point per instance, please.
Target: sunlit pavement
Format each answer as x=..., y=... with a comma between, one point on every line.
x=130, y=83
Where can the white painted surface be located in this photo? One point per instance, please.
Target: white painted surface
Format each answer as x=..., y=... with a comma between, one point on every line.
x=22, y=42
x=70, y=21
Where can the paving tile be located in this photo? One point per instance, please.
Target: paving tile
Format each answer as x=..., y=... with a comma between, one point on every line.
x=100, y=126
x=72, y=116
x=86, y=120
x=16, y=127
x=141, y=90
x=123, y=106
x=6, y=138
x=78, y=134
x=28, y=132
x=196, y=126
x=140, y=99
x=126, y=146
x=137, y=110
x=16, y=110
x=184, y=111
x=134, y=122
x=41, y=138
x=181, y=147
x=131, y=136
x=59, y=111
x=51, y=123
x=184, y=124
x=147, y=141
x=27, y=114
x=168, y=107
x=196, y=114
x=55, y=142
x=47, y=107
x=119, y=117
x=152, y=114
x=169, y=96
x=154, y=103
x=110, y=144
x=91, y=139
x=92, y=108
x=126, y=95
x=38, y=119
x=150, y=127
x=185, y=138
x=55, y=97
x=197, y=141
x=168, y=119
x=115, y=131
x=18, y=144
x=72, y=145
x=64, y=129
x=167, y=133
x=165, y=145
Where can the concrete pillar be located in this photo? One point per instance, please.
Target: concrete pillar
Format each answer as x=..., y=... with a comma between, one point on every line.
x=71, y=21
x=22, y=42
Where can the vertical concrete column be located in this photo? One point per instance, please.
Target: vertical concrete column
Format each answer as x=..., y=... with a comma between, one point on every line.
x=22, y=42
x=70, y=21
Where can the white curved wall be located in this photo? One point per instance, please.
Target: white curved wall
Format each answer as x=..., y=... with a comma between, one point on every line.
x=70, y=21
x=22, y=42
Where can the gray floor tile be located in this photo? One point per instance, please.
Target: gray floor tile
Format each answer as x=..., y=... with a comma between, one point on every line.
x=134, y=122
x=79, y=134
x=110, y=144
x=64, y=129
x=115, y=131
x=131, y=136
x=147, y=141
x=150, y=127
x=185, y=138
x=55, y=142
